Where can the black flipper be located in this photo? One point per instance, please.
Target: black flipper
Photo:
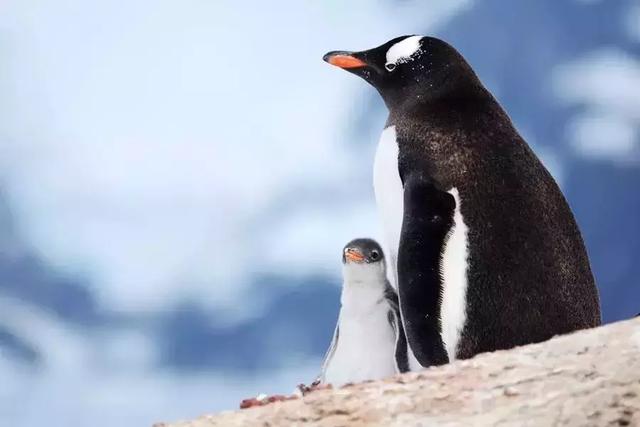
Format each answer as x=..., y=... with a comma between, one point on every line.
x=400, y=353
x=428, y=218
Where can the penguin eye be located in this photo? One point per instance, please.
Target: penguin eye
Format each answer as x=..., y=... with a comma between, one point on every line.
x=374, y=255
x=390, y=66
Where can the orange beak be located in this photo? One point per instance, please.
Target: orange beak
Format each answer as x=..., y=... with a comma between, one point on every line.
x=344, y=60
x=353, y=255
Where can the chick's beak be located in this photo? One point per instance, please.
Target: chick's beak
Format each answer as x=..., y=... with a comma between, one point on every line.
x=344, y=59
x=353, y=255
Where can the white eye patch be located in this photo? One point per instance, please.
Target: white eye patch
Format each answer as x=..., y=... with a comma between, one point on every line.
x=402, y=51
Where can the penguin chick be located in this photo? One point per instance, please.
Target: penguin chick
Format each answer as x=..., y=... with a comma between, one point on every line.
x=369, y=341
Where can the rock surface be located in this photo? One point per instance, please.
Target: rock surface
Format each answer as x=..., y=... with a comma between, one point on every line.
x=588, y=378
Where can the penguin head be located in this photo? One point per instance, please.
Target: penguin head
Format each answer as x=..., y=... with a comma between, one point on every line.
x=408, y=68
x=363, y=264
x=362, y=251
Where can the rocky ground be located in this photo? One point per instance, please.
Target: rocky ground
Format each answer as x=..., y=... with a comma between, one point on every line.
x=589, y=378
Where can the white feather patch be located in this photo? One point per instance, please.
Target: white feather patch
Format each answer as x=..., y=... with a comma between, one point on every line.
x=454, y=284
x=365, y=348
x=403, y=50
x=388, y=190
x=390, y=201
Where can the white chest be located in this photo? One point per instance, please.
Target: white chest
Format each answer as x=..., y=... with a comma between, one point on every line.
x=365, y=349
x=389, y=196
x=389, y=193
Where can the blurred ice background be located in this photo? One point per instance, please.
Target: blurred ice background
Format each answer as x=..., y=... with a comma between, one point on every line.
x=177, y=180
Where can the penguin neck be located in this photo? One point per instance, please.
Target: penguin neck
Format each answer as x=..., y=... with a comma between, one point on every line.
x=363, y=288
x=433, y=103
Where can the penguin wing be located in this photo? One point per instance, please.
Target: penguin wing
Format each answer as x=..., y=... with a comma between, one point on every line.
x=330, y=352
x=427, y=220
x=400, y=353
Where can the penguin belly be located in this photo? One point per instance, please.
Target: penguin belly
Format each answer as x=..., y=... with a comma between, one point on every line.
x=389, y=194
x=365, y=349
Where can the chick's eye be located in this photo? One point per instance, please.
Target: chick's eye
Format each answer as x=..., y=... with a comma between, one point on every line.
x=390, y=66
x=374, y=255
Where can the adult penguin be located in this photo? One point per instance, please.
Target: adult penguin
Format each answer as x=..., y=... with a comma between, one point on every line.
x=513, y=267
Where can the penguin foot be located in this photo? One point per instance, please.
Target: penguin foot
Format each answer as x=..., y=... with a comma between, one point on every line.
x=303, y=389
